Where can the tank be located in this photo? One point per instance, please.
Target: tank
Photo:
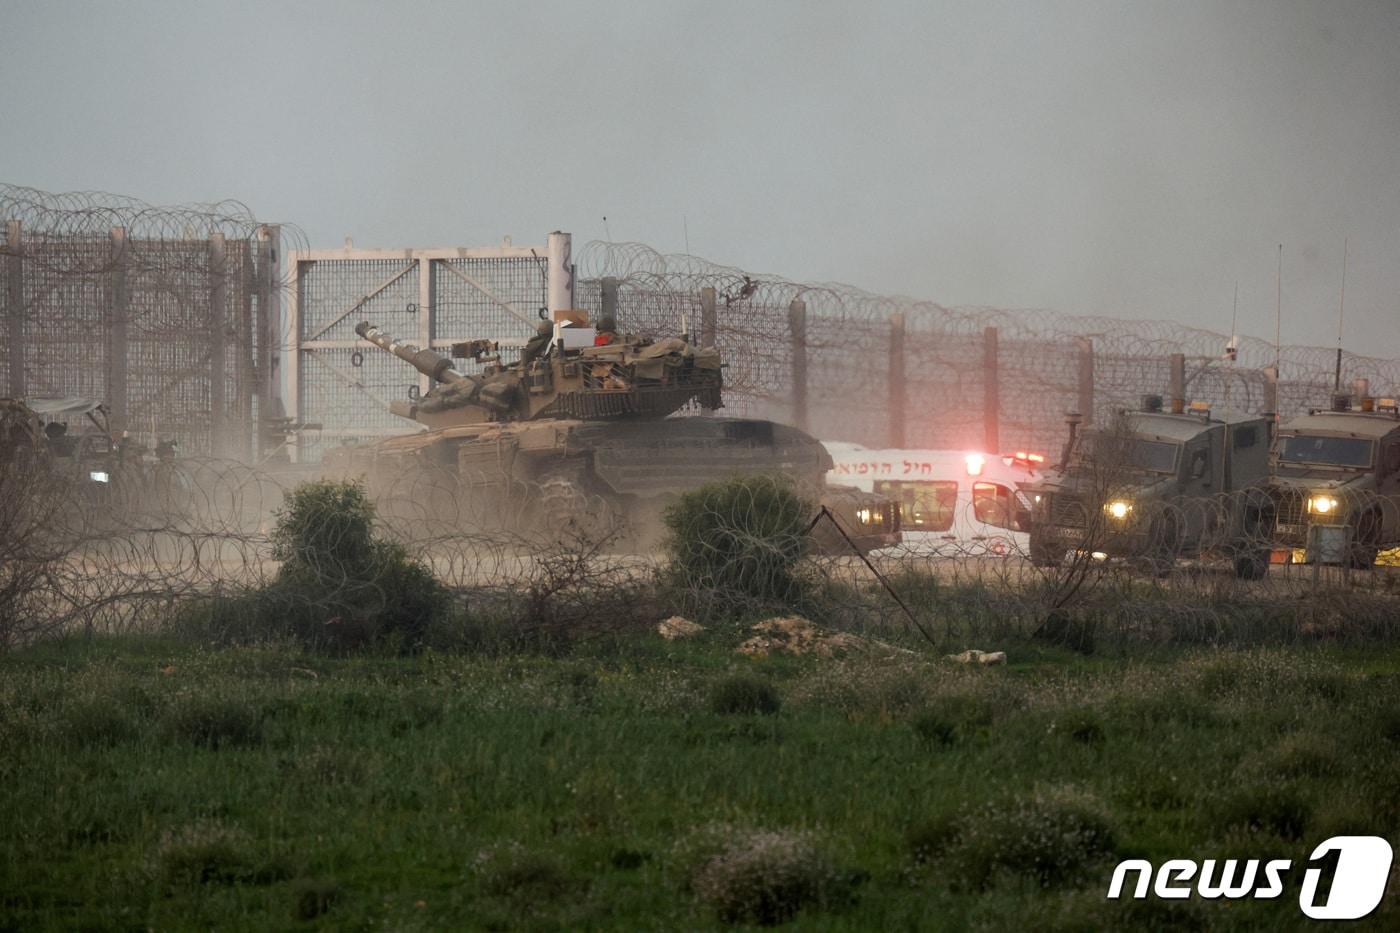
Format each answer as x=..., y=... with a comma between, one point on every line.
x=576, y=435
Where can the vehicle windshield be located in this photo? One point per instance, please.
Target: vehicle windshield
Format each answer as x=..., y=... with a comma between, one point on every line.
x=1134, y=452
x=1328, y=451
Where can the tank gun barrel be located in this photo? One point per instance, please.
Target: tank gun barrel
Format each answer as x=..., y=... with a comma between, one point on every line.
x=433, y=365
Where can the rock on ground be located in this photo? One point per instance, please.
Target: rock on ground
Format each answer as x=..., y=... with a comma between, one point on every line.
x=973, y=656
x=678, y=627
x=797, y=635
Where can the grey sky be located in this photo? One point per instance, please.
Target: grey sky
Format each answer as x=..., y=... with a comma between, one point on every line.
x=1132, y=159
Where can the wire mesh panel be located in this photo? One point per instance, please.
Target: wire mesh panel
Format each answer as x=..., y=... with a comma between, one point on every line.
x=424, y=297
x=153, y=311
x=487, y=298
x=1046, y=363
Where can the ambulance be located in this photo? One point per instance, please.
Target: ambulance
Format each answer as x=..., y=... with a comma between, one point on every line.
x=953, y=503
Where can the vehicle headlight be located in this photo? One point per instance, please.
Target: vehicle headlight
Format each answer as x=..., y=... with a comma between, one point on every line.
x=864, y=516
x=1322, y=505
x=99, y=476
x=1118, y=509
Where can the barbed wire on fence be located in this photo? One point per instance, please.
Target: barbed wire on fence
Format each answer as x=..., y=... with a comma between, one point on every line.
x=1039, y=355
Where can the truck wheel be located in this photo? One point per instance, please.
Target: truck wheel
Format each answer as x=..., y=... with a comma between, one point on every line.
x=1046, y=553
x=1252, y=566
x=1366, y=543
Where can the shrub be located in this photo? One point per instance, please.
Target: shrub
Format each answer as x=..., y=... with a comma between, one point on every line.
x=759, y=876
x=511, y=870
x=1265, y=808
x=1050, y=837
x=953, y=718
x=313, y=897
x=935, y=729
x=744, y=694
x=1082, y=726
x=738, y=542
x=931, y=838
x=214, y=722
x=210, y=853
x=97, y=722
x=340, y=587
x=1303, y=755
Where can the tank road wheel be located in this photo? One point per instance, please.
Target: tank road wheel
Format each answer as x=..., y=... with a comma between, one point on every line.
x=1366, y=542
x=567, y=510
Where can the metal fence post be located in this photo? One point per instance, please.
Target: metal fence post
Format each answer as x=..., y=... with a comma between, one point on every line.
x=1176, y=379
x=797, y=324
x=219, y=445
x=991, y=392
x=118, y=317
x=896, y=381
x=245, y=345
x=708, y=326
x=709, y=323
x=1085, y=394
x=14, y=305
x=607, y=293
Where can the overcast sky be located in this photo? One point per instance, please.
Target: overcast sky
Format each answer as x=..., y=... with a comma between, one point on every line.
x=1129, y=159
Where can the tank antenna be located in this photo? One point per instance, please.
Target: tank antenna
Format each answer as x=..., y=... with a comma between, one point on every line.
x=544, y=285
x=1278, y=317
x=1341, y=314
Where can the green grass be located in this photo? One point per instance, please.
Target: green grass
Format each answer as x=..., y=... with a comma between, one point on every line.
x=151, y=784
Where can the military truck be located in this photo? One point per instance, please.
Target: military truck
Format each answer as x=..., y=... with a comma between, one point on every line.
x=576, y=435
x=1335, y=487
x=1158, y=485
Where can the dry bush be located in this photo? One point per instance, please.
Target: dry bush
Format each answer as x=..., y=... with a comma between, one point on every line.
x=758, y=876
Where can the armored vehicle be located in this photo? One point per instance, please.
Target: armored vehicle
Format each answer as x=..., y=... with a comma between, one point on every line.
x=85, y=457
x=1158, y=485
x=575, y=434
x=1335, y=488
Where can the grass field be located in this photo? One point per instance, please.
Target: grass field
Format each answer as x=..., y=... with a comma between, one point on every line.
x=642, y=784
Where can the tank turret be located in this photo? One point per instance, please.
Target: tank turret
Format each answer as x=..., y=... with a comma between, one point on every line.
x=628, y=377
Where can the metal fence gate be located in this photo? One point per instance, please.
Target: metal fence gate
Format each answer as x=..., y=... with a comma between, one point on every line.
x=339, y=387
